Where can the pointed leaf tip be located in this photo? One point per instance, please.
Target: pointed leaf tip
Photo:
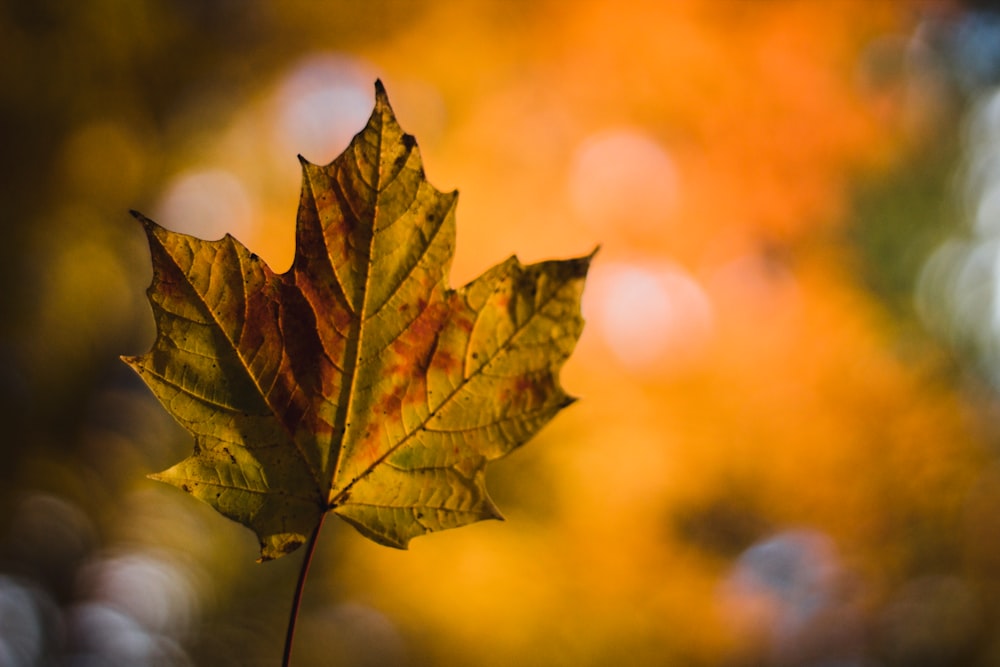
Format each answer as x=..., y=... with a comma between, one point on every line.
x=381, y=97
x=139, y=216
x=148, y=224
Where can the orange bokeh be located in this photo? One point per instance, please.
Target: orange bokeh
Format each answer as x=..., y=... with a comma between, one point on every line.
x=709, y=149
x=745, y=393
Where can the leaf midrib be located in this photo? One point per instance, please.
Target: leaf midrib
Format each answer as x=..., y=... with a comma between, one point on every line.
x=359, y=316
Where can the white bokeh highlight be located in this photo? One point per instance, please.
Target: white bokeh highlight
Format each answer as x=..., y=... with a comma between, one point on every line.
x=207, y=203
x=320, y=105
x=653, y=316
x=623, y=179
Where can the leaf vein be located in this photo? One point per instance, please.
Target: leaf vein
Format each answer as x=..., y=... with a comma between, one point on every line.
x=243, y=363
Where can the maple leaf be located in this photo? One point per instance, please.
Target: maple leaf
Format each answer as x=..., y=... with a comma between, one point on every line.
x=357, y=381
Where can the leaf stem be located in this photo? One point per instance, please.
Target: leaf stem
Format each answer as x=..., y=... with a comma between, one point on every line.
x=286, y=657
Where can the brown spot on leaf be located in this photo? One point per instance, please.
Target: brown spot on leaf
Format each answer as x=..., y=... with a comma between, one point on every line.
x=446, y=362
x=524, y=383
x=532, y=390
x=423, y=329
x=291, y=545
x=465, y=324
x=390, y=404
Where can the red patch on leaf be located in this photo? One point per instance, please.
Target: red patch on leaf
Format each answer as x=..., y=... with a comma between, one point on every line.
x=390, y=405
x=531, y=391
x=424, y=329
x=446, y=362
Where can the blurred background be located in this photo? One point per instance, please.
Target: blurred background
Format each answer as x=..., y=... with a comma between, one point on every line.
x=788, y=452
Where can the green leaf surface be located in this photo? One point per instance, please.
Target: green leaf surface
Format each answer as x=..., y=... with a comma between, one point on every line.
x=357, y=381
